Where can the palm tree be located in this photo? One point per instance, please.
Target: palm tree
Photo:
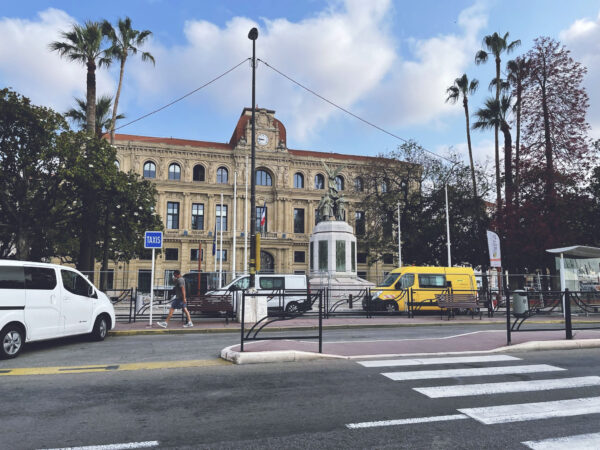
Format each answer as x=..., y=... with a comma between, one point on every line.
x=103, y=121
x=494, y=115
x=496, y=45
x=124, y=42
x=517, y=71
x=83, y=44
x=462, y=88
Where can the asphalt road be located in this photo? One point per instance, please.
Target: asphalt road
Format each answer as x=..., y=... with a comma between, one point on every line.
x=293, y=405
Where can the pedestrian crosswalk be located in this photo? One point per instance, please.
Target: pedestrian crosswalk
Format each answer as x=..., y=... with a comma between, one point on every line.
x=552, y=378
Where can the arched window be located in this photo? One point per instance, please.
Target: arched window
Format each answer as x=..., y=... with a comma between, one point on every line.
x=222, y=175
x=384, y=187
x=358, y=184
x=174, y=172
x=198, y=172
x=339, y=183
x=149, y=169
x=298, y=181
x=263, y=178
x=319, y=181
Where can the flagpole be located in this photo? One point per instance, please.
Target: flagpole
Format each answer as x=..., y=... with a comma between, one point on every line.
x=246, y=223
x=215, y=243
x=234, y=225
x=221, y=246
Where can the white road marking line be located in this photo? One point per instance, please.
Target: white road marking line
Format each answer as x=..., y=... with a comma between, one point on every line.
x=580, y=442
x=126, y=445
x=387, y=423
x=451, y=373
x=420, y=339
x=511, y=386
x=447, y=360
x=534, y=411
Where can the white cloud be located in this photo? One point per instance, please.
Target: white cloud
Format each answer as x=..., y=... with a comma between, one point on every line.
x=583, y=39
x=30, y=68
x=483, y=150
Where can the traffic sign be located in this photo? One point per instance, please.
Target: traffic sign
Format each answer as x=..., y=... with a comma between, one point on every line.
x=153, y=239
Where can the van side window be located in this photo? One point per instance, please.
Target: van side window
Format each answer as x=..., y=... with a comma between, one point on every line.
x=12, y=277
x=40, y=278
x=407, y=280
x=432, y=281
x=75, y=283
x=243, y=284
x=272, y=283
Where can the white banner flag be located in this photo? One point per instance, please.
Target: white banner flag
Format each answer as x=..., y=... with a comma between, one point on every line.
x=494, y=248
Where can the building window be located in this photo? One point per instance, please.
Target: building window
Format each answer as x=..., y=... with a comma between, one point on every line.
x=361, y=258
x=362, y=275
x=221, y=218
x=222, y=175
x=172, y=215
x=174, y=172
x=384, y=187
x=224, y=253
x=319, y=181
x=197, y=216
x=263, y=178
x=194, y=254
x=388, y=258
x=169, y=280
x=359, y=223
x=299, y=257
x=316, y=216
x=198, y=172
x=259, y=214
x=298, y=181
x=339, y=183
x=298, y=220
x=171, y=254
x=359, y=185
x=144, y=276
x=311, y=256
x=149, y=169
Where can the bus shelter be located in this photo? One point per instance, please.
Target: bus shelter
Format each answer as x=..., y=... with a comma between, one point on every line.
x=578, y=265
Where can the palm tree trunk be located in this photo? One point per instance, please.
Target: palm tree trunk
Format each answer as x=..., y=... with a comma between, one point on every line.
x=91, y=98
x=517, y=147
x=116, y=103
x=548, y=153
x=508, y=184
x=496, y=143
x=466, y=105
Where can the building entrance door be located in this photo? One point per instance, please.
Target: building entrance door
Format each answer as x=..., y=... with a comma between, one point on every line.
x=267, y=262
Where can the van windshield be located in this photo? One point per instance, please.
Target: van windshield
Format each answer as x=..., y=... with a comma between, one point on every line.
x=389, y=279
x=242, y=283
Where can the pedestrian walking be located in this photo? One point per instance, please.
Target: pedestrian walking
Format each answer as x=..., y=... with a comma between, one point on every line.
x=180, y=301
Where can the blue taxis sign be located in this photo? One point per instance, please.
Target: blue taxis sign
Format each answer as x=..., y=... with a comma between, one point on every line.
x=153, y=239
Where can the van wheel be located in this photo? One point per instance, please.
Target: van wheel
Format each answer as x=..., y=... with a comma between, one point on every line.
x=390, y=306
x=100, y=329
x=12, y=339
x=292, y=307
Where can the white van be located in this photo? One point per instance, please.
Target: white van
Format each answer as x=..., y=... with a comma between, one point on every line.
x=44, y=301
x=273, y=284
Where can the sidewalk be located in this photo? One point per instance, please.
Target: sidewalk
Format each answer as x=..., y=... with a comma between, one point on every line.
x=468, y=340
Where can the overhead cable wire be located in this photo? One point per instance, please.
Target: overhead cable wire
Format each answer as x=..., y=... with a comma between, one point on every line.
x=184, y=96
x=349, y=112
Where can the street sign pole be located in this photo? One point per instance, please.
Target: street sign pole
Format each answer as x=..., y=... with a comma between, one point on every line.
x=152, y=288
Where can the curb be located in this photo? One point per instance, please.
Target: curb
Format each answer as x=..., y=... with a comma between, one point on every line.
x=294, y=355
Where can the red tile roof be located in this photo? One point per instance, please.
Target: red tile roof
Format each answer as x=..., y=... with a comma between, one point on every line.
x=172, y=141
x=325, y=155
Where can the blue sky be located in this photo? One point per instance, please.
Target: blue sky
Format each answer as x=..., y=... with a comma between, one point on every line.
x=387, y=61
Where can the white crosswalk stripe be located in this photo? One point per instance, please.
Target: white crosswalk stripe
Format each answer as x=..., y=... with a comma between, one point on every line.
x=579, y=442
x=471, y=372
x=464, y=390
x=533, y=411
x=433, y=361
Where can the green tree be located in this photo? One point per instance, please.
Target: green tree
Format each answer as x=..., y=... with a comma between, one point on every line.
x=30, y=165
x=103, y=120
x=125, y=42
x=517, y=71
x=83, y=44
x=462, y=88
x=495, y=45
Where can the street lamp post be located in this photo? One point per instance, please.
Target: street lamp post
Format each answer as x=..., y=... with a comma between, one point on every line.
x=253, y=35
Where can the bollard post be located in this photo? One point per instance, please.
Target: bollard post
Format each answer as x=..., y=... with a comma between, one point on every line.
x=320, y=323
x=568, y=326
x=243, y=314
x=350, y=301
x=507, y=317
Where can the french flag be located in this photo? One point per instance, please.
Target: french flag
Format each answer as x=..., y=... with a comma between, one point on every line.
x=263, y=218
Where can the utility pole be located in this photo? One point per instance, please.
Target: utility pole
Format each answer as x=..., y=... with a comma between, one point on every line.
x=253, y=35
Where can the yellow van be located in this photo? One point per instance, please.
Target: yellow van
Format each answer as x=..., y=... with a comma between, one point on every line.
x=420, y=285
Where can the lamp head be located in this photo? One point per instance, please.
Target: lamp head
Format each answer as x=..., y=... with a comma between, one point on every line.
x=253, y=34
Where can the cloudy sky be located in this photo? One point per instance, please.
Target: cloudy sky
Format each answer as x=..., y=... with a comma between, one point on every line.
x=387, y=61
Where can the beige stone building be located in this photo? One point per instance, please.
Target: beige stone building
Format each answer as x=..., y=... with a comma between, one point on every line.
x=190, y=177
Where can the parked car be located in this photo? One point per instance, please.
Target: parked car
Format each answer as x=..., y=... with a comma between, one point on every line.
x=41, y=301
x=273, y=285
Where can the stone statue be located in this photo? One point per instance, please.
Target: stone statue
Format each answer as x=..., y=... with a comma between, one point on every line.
x=332, y=203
